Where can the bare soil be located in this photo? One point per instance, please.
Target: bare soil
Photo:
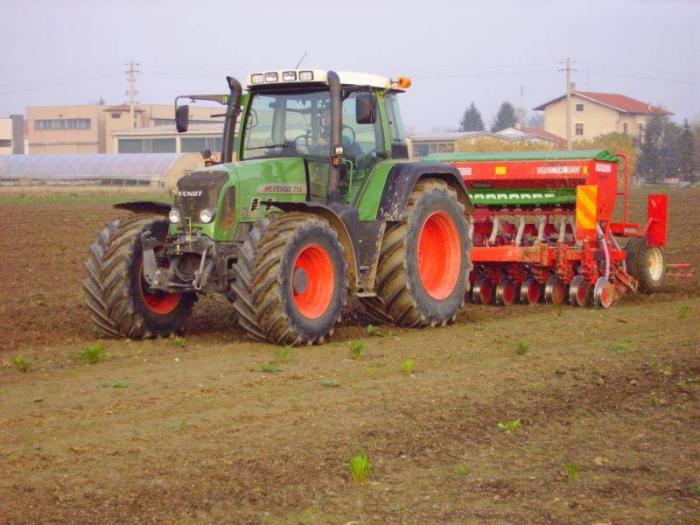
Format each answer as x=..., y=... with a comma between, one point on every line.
x=192, y=430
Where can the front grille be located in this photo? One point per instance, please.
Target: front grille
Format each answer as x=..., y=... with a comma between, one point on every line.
x=399, y=151
x=197, y=191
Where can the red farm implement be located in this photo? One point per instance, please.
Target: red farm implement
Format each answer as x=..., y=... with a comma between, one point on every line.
x=544, y=228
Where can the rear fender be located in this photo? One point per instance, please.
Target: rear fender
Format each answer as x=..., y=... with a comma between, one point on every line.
x=403, y=178
x=657, y=215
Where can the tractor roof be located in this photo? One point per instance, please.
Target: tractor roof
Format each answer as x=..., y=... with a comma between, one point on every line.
x=281, y=77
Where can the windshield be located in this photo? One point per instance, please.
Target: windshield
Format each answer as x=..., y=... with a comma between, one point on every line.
x=288, y=125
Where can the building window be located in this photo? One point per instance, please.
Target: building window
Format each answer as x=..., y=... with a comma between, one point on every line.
x=146, y=145
x=624, y=128
x=641, y=130
x=421, y=149
x=117, y=114
x=62, y=123
x=5, y=143
x=579, y=129
x=579, y=107
x=171, y=121
x=197, y=144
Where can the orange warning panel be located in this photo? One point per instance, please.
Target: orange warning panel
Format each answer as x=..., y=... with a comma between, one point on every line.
x=586, y=211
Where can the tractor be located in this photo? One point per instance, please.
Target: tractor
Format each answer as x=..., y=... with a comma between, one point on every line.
x=312, y=200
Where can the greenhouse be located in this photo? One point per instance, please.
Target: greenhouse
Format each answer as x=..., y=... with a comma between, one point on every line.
x=155, y=169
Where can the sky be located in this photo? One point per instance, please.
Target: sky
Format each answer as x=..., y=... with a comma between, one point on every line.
x=456, y=52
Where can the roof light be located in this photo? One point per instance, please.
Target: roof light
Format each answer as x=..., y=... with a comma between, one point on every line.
x=271, y=77
x=257, y=78
x=288, y=76
x=306, y=76
x=402, y=82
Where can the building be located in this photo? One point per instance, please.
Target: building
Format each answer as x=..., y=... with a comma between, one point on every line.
x=420, y=145
x=166, y=139
x=595, y=114
x=5, y=136
x=90, y=128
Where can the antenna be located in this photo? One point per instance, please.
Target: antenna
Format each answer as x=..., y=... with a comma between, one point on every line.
x=301, y=60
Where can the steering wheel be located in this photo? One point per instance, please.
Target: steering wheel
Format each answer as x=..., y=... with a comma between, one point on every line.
x=306, y=137
x=352, y=131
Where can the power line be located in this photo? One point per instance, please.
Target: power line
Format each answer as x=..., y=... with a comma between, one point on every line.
x=58, y=84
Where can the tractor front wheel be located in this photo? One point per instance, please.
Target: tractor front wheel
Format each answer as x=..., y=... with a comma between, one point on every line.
x=120, y=302
x=290, y=280
x=424, y=263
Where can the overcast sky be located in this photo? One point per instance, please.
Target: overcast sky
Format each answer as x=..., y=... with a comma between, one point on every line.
x=456, y=52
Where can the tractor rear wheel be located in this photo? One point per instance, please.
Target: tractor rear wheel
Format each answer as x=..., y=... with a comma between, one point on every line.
x=646, y=264
x=120, y=303
x=290, y=280
x=424, y=263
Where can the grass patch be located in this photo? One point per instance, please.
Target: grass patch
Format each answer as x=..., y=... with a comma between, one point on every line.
x=283, y=354
x=407, y=366
x=522, y=348
x=683, y=312
x=397, y=507
x=180, y=426
x=270, y=368
x=461, y=470
x=330, y=383
x=20, y=363
x=621, y=347
x=360, y=467
x=509, y=427
x=356, y=349
x=92, y=354
x=571, y=470
x=116, y=384
x=179, y=341
x=374, y=331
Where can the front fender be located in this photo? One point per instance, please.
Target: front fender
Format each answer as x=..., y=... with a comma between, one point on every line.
x=146, y=207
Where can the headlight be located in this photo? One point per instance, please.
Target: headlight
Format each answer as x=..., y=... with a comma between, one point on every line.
x=306, y=76
x=206, y=215
x=174, y=216
x=271, y=77
x=257, y=78
x=288, y=76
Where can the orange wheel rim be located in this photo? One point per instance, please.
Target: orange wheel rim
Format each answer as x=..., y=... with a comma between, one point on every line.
x=313, y=280
x=159, y=302
x=439, y=255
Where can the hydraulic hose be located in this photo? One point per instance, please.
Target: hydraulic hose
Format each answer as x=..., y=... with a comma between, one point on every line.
x=606, y=251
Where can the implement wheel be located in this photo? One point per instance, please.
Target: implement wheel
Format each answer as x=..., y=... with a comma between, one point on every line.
x=530, y=291
x=290, y=280
x=424, y=260
x=482, y=291
x=120, y=302
x=506, y=292
x=554, y=290
x=646, y=264
x=579, y=291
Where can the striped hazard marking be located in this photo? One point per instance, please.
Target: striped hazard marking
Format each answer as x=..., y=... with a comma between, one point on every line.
x=586, y=207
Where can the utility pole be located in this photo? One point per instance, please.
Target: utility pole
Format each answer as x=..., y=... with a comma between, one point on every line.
x=568, y=103
x=131, y=79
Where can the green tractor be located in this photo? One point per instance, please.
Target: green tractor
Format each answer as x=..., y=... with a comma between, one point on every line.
x=314, y=200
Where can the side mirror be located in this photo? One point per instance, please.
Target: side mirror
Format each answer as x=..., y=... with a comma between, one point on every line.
x=365, y=109
x=182, y=118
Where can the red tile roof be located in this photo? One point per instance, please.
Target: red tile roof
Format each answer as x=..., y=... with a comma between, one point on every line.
x=621, y=103
x=539, y=132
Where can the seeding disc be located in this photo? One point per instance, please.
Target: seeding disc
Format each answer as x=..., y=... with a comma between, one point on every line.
x=554, y=290
x=482, y=291
x=603, y=293
x=506, y=292
x=579, y=291
x=530, y=291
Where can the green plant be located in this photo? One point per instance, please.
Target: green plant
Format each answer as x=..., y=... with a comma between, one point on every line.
x=461, y=469
x=283, y=354
x=621, y=347
x=571, y=470
x=397, y=507
x=695, y=490
x=20, y=363
x=179, y=341
x=374, y=331
x=683, y=311
x=180, y=426
x=522, y=348
x=269, y=368
x=331, y=383
x=116, y=384
x=407, y=366
x=92, y=354
x=509, y=427
x=356, y=349
x=360, y=467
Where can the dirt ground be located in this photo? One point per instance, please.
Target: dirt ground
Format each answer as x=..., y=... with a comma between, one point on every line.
x=212, y=428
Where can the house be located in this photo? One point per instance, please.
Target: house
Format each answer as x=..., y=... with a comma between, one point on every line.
x=594, y=114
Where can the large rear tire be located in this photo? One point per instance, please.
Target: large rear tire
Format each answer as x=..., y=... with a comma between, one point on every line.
x=646, y=264
x=120, y=303
x=424, y=263
x=290, y=280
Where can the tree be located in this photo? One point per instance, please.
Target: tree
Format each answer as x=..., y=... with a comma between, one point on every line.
x=536, y=121
x=686, y=153
x=649, y=165
x=615, y=143
x=505, y=118
x=471, y=120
